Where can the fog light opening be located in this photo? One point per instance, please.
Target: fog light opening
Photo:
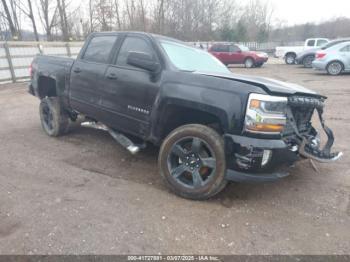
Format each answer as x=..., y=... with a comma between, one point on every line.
x=266, y=157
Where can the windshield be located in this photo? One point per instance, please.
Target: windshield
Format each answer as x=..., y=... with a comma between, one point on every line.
x=192, y=59
x=243, y=48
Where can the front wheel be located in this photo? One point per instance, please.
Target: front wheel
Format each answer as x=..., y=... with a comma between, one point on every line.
x=307, y=61
x=192, y=162
x=249, y=63
x=290, y=59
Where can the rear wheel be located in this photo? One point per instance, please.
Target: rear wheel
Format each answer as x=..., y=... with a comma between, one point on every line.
x=290, y=59
x=192, y=162
x=307, y=61
x=54, y=120
x=249, y=63
x=335, y=68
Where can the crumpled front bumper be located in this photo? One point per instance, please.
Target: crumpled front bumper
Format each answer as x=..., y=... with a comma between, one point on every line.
x=248, y=142
x=306, y=142
x=299, y=144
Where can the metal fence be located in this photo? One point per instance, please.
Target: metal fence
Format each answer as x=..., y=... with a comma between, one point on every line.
x=16, y=57
x=268, y=47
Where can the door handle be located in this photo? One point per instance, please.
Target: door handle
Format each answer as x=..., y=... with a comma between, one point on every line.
x=77, y=70
x=112, y=76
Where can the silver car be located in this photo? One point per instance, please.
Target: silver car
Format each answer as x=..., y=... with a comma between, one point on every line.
x=334, y=60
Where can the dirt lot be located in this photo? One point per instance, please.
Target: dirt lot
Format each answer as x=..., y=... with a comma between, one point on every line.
x=83, y=193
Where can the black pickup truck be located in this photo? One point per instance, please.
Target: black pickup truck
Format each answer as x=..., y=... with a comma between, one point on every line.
x=212, y=126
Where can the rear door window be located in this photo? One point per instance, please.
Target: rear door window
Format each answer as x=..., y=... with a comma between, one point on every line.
x=311, y=43
x=220, y=48
x=99, y=49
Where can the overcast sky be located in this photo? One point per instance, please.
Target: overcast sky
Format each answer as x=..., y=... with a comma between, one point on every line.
x=302, y=11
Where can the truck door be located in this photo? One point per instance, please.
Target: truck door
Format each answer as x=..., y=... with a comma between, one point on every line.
x=87, y=75
x=129, y=92
x=221, y=52
x=224, y=54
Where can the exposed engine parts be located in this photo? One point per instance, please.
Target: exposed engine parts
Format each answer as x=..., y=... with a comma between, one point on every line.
x=309, y=147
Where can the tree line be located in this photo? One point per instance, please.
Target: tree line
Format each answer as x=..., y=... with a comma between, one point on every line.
x=189, y=20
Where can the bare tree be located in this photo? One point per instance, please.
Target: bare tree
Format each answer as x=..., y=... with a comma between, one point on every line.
x=10, y=13
x=91, y=15
x=161, y=16
x=48, y=16
x=117, y=12
x=257, y=18
x=104, y=14
x=28, y=11
x=3, y=25
x=61, y=5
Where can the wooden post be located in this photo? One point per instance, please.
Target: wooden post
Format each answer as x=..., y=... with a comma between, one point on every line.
x=68, y=49
x=9, y=60
x=39, y=48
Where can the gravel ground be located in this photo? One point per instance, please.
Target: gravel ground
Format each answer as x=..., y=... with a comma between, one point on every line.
x=84, y=194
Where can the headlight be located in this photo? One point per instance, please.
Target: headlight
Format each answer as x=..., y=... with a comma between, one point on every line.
x=265, y=114
x=262, y=55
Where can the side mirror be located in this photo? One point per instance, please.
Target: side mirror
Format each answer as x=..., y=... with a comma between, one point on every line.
x=144, y=61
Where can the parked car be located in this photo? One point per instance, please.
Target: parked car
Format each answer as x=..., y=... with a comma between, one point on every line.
x=308, y=56
x=212, y=126
x=289, y=53
x=238, y=54
x=334, y=60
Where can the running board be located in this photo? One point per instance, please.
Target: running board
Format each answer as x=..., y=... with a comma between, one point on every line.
x=119, y=137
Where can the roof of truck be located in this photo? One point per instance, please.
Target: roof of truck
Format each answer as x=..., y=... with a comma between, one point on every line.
x=137, y=33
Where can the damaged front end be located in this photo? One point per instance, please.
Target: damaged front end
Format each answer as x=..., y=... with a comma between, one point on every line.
x=277, y=128
x=299, y=113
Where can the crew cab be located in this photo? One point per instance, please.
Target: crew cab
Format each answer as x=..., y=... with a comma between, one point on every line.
x=289, y=53
x=212, y=126
x=238, y=54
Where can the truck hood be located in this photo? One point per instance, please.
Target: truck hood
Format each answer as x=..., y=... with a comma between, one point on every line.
x=269, y=85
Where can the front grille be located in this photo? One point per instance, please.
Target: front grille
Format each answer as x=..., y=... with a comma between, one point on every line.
x=302, y=109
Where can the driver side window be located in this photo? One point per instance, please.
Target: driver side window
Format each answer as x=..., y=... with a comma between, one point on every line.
x=133, y=44
x=234, y=48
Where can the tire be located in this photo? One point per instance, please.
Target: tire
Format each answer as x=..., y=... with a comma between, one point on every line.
x=192, y=162
x=290, y=59
x=54, y=120
x=335, y=68
x=307, y=61
x=249, y=63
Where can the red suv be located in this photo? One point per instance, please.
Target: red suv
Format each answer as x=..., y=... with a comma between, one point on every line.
x=238, y=54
